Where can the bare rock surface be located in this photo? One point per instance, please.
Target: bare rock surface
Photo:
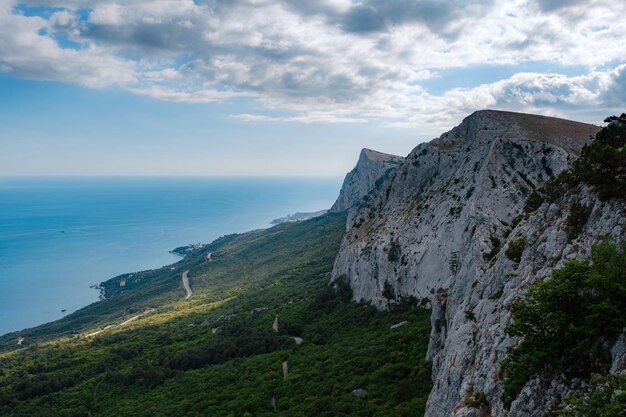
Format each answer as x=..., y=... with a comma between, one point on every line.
x=436, y=228
x=372, y=165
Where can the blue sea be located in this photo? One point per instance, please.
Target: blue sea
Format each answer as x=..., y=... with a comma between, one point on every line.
x=58, y=236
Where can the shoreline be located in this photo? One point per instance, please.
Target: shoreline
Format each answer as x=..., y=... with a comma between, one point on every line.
x=101, y=287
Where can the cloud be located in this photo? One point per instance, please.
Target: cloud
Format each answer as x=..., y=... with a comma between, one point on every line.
x=444, y=18
x=369, y=16
x=194, y=96
x=329, y=61
x=26, y=52
x=312, y=117
x=549, y=94
x=554, y=5
x=614, y=94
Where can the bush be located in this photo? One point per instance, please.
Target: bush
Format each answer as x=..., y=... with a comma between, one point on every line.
x=567, y=323
x=496, y=295
x=475, y=399
x=533, y=202
x=602, y=164
x=395, y=251
x=576, y=220
x=388, y=291
x=516, y=220
x=604, y=397
x=516, y=248
x=496, y=245
x=333, y=295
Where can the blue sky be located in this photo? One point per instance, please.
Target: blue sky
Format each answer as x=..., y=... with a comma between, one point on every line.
x=284, y=87
x=53, y=128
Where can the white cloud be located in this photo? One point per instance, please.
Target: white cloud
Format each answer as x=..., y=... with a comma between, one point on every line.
x=25, y=52
x=311, y=117
x=107, y=14
x=550, y=94
x=196, y=96
x=330, y=61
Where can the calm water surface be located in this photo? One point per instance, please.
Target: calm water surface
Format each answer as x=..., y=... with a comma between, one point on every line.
x=59, y=236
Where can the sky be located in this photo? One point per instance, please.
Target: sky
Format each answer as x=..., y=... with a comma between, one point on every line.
x=285, y=87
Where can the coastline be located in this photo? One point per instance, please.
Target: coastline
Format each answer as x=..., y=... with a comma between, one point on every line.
x=101, y=289
x=113, y=227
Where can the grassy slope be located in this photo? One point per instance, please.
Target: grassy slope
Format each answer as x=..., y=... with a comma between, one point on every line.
x=170, y=363
x=243, y=261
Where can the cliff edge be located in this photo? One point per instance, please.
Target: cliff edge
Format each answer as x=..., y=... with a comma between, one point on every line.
x=372, y=166
x=434, y=230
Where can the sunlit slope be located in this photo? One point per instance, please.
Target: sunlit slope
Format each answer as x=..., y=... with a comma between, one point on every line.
x=217, y=354
x=248, y=260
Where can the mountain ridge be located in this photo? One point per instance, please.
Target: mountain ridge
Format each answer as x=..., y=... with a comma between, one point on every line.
x=480, y=172
x=435, y=232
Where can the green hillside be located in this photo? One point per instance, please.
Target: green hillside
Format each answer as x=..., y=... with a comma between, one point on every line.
x=216, y=353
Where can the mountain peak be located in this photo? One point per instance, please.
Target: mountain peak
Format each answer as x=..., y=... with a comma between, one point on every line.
x=438, y=227
x=371, y=166
x=567, y=134
x=373, y=155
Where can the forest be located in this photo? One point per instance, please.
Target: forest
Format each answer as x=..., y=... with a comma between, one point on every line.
x=217, y=353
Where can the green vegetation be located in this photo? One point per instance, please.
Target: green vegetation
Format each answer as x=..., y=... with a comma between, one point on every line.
x=605, y=397
x=496, y=245
x=239, y=263
x=395, y=251
x=576, y=220
x=602, y=164
x=516, y=248
x=533, y=202
x=516, y=220
x=511, y=274
x=496, y=295
x=216, y=354
x=388, y=291
x=568, y=322
x=476, y=400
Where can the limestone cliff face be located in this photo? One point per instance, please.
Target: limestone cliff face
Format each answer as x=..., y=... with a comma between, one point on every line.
x=362, y=179
x=468, y=350
x=429, y=229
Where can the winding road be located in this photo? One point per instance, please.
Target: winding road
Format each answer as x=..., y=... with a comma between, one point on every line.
x=186, y=284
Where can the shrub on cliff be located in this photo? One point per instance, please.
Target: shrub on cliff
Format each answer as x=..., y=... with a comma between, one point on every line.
x=604, y=397
x=567, y=323
x=576, y=220
x=516, y=248
x=602, y=164
x=395, y=251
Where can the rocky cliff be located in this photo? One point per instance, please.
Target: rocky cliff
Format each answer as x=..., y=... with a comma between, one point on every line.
x=471, y=342
x=434, y=227
x=372, y=166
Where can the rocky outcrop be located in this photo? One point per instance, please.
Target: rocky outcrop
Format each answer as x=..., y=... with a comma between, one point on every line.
x=372, y=166
x=435, y=229
x=468, y=355
x=435, y=216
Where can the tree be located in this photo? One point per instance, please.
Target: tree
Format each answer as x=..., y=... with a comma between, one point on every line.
x=568, y=322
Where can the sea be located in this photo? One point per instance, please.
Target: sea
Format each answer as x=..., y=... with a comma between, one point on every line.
x=59, y=236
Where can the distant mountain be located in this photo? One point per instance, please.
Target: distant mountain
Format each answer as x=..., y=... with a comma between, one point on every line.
x=370, y=168
x=298, y=217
